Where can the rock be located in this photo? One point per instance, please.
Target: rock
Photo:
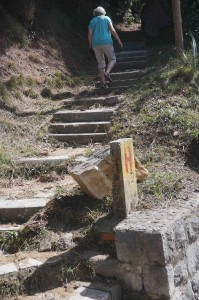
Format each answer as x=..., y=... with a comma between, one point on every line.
x=49, y=177
x=141, y=172
x=95, y=174
x=65, y=241
x=48, y=242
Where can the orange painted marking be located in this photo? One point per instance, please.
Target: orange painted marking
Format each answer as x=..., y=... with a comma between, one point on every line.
x=105, y=236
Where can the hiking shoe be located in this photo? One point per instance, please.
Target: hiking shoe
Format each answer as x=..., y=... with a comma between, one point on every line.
x=104, y=86
x=107, y=75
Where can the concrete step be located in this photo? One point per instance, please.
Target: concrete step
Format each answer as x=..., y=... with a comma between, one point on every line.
x=124, y=66
x=139, y=45
x=9, y=227
x=131, y=53
x=78, y=290
x=36, y=272
x=125, y=82
x=81, y=138
x=111, y=89
x=93, y=115
x=130, y=59
x=133, y=74
x=91, y=101
x=39, y=272
x=81, y=127
x=20, y=210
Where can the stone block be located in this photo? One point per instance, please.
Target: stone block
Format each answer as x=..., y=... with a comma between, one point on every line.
x=180, y=273
x=192, y=256
x=94, y=176
x=112, y=268
x=181, y=239
x=129, y=246
x=188, y=293
x=195, y=284
x=158, y=281
x=125, y=197
x=153, y=246
x=192, y=228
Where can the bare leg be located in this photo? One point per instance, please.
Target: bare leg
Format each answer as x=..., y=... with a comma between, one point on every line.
x=111, y=64
x=102, y=77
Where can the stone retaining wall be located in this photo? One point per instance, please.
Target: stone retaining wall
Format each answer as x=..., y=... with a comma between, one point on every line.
x=162, y=249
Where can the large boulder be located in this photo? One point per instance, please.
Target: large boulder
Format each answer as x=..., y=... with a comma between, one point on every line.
x=95, y=174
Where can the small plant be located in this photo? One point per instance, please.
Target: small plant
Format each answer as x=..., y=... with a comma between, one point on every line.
x=21, y=80
x=164, y=185
x=12, y=65
x=9, y=241
x=12, y=83
x=18, y=95
x=30, y=93
x=30, y=81
x=34, y=58
x=4, y=93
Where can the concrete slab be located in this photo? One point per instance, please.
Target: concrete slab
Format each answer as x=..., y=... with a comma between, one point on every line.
x=8, y=268
x=29, y=263
x=92, y=115
x=83, y=293
x=7, y=227
x=48, y=159
x=21, y=210
x=79, y=127
x=81, y=138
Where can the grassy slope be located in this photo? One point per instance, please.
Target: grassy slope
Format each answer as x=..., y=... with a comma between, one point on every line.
x=38, y=69
x=162, y=117
x=161, y=114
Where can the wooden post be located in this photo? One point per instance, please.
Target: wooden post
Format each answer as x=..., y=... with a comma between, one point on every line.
x=177, y=20
x=124, y=184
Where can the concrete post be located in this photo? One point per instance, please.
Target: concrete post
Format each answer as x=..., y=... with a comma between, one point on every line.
x=125, y=197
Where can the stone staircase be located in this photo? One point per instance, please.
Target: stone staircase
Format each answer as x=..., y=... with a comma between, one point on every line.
x=83, y=121
x=89, y=125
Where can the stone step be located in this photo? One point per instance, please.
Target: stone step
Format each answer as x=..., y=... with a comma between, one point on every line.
x=131, y=53
x=20, y=210
x=41, y=160
x=139, y=45
x=88, y=102
x=111, y=89
x=81, y=138
x=9, y=227
x=127, y=59
x=77, y=290
x=133, y=74
x=120, y=83
x=94, y=115
x=81, y=127
x=38, y=272
x=130, y=65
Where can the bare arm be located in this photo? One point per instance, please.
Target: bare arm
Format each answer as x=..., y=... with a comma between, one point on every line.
x=90, y=33
x=114, y=33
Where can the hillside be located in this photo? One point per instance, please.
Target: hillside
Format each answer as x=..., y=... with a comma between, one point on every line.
x=43, y=68
x=38, y=69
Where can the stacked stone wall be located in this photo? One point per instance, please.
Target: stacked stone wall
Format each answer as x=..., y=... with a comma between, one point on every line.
x=161, y=248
